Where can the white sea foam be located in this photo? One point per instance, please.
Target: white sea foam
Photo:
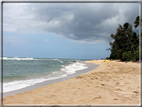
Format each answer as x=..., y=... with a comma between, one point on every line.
x=18, y=58
x=66, y=70
x=72, y=68
x=16, y=85
x=60, y=61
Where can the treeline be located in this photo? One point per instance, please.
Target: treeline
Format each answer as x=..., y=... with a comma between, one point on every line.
x=126, y=43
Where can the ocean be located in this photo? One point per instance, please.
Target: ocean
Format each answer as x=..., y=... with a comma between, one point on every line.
x=19, y=72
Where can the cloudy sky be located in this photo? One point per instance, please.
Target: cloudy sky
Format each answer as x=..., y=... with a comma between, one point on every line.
x=63, y=30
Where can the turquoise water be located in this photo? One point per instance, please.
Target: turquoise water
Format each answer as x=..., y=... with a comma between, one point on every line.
x=22, y=72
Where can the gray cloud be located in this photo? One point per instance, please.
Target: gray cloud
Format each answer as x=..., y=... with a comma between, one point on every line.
x=90, y=22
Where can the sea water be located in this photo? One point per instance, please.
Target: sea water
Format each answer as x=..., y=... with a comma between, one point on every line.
x=22, y=72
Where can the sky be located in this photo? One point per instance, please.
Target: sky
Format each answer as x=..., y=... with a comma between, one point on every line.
x=63, y=30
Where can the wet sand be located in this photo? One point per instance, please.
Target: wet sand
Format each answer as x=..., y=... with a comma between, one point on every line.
x=110, y=83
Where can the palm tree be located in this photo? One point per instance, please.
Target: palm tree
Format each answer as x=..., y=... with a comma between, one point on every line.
x=136, y=22
x=128, y=32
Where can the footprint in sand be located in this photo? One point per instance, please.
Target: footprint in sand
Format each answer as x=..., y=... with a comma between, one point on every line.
x=117, y=83
x=103, y=84
x=97, y=97
x=92, y=78
x=136, y=92
x=118, y=89
x=115, y=99
x=88, y=85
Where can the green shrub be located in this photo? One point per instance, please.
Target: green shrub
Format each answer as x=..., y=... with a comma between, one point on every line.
x=136, y=54
x=113, y=55
x=127, y=56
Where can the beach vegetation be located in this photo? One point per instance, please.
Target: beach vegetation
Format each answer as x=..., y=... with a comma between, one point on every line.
x=125, y=45
x=136, y=22
x=127, y=55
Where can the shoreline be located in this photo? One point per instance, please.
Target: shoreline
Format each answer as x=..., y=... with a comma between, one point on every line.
x=110, y=83
x=90, y=66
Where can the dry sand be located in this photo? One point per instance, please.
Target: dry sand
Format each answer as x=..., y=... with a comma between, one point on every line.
x=110, y=83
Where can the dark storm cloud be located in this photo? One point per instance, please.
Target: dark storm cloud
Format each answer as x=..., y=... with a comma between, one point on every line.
x=89, y=22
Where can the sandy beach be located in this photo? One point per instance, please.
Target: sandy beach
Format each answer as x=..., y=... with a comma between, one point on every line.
x=112, y=82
